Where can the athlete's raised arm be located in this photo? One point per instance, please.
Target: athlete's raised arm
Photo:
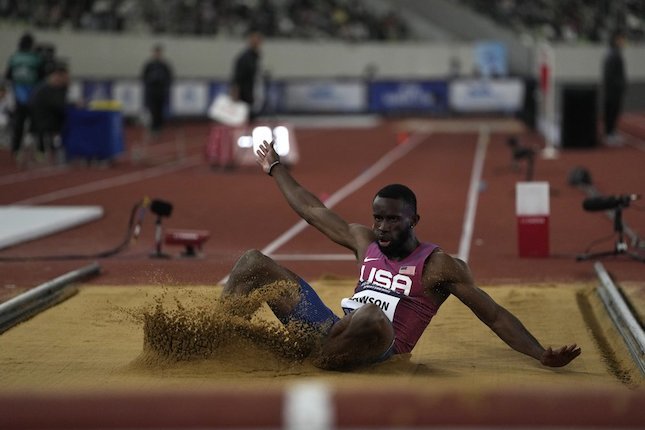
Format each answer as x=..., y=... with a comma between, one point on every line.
x=353, y=236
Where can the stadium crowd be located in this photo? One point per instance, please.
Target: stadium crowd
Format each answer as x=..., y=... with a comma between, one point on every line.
x=567, y=20
x=350, y=20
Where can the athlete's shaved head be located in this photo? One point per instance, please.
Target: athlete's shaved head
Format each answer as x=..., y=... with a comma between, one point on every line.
x=399, y=192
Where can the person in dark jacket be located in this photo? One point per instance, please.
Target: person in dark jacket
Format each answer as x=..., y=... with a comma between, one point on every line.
x=614, y=85
x=245, y=73
x=25, y=72
x=157, y=77
x=48, y=104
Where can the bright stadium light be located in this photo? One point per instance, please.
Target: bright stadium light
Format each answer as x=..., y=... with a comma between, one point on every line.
x=260, y=134
x=247, y=144
x=263, y=133
x=281, y=135
x=245, y=141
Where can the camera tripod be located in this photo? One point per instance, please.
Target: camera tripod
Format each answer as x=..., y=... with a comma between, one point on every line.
x=620, y=248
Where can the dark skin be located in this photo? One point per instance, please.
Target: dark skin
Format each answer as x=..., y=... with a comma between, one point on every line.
x=443, y=275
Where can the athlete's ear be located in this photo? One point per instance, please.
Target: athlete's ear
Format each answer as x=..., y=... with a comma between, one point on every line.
x=415, y=219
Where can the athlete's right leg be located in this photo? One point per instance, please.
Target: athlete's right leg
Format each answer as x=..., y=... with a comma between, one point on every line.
x=296, y=300
x=254, y=270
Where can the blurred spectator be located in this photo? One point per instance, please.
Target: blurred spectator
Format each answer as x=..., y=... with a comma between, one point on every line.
x=566, y=20
x=329, y=19
x=245, y=73
x=48, y=103
x=157, y=77
x=47, y=53
x=6, y=107
x=24, y=71
x=614, y=84
x=393, y=27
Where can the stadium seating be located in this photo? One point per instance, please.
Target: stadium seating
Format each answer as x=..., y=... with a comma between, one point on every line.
x=567, y=21
x=304, y=19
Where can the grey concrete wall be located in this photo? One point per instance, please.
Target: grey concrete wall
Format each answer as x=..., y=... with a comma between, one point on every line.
x=109, y=56
x=105, y=56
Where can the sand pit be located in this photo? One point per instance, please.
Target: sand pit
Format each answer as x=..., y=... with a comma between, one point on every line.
x=95, y=341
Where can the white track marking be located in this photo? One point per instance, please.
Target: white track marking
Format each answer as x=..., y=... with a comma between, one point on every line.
x=317, y=257
x=636, y=142
x=313, y=257
x=473, y=193
x=383, y=163
x=15, y=178
x=107, y=183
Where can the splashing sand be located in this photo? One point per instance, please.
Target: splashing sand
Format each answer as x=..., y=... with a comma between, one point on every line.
x=175, y=331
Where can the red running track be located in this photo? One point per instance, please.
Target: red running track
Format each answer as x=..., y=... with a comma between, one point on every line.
x=243, y=209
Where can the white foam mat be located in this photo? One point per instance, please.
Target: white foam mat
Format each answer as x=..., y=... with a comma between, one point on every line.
x=22, y=223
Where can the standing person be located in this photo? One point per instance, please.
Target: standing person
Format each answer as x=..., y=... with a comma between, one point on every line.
x=48, y=103
x=24, y=71
x=6, y=107
x=157, y=77
x=246, y=72
x=614, y=85
x=402, y=282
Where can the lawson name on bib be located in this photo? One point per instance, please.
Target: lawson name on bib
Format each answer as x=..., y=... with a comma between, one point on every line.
x=386, y=302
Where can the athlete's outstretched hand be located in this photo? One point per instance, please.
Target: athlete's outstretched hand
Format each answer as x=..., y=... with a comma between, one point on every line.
x=266, y=156
x=561, y=356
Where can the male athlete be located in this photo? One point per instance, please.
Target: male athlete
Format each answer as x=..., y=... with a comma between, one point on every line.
x=402, y=283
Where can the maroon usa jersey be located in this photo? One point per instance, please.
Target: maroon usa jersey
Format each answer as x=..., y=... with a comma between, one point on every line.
x=396, y=287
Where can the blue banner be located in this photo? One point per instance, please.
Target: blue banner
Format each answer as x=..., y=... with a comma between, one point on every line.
x=408, y=96
x=192, y=97
x=97, y=90
x=487, y=95
x=491, y=59
x=274, y=97
x=217, y=87
x=324, y=96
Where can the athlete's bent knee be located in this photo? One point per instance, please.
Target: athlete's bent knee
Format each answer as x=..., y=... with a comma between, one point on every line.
x=371, y=322
x=251, y=260
x=362, y=337
x=250, y=257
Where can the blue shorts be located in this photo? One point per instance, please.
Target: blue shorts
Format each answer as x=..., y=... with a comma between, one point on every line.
x=311, y=310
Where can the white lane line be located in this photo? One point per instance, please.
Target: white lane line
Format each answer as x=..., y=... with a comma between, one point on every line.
x=107, y=183
x=313, y=257
x=383, y=163
x=473, y=193
x=635, y=141
x=15, y=178
x=316, y=257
